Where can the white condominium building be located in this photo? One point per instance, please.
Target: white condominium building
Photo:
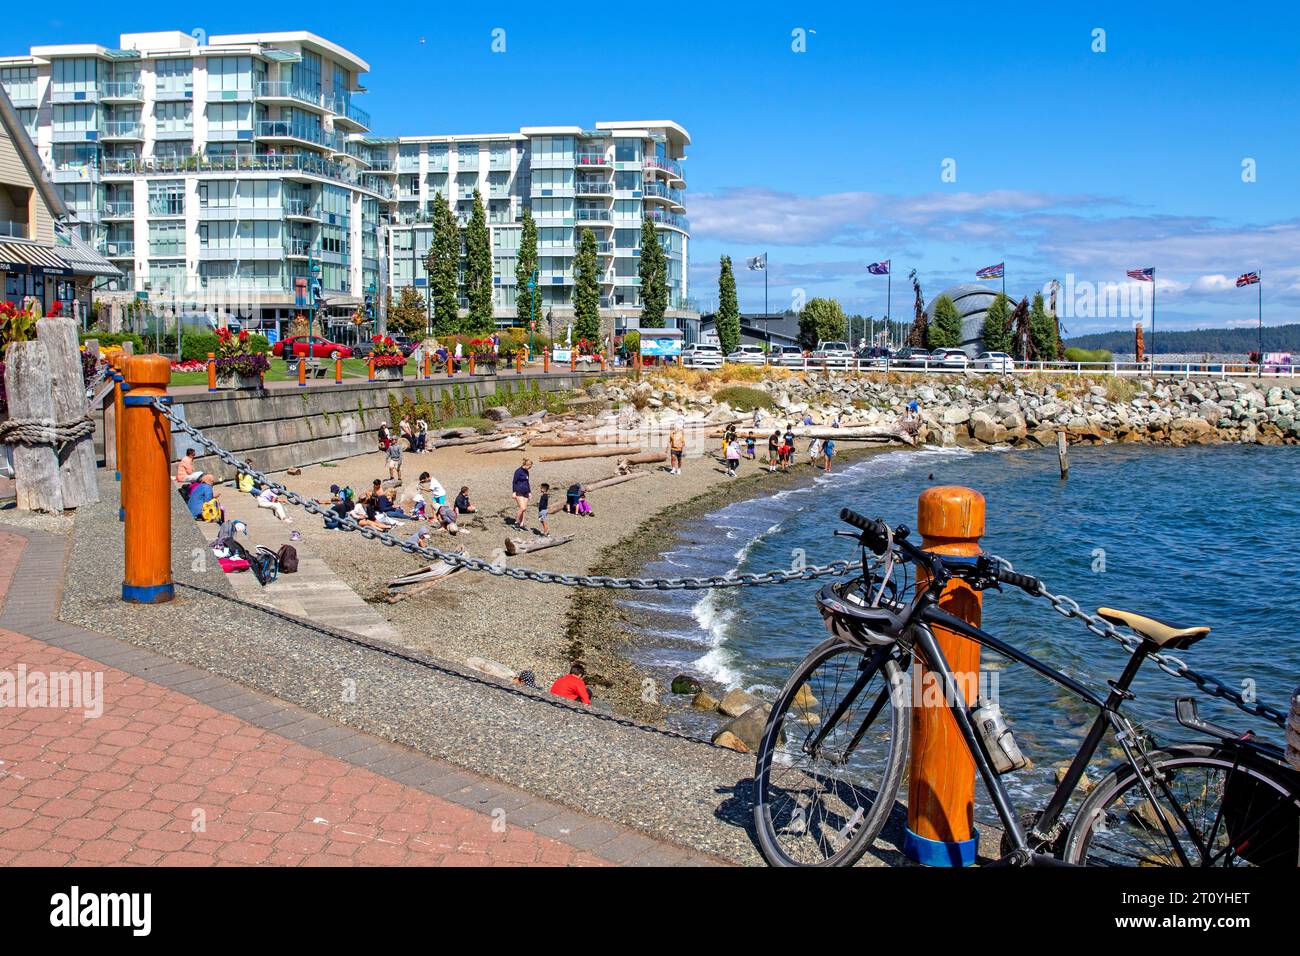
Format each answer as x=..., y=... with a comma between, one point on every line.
x=237, y=170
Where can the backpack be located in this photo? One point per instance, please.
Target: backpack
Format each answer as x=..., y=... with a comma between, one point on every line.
x=287, y=559
x=211, y=511
x=185, y=490
x=263, y=565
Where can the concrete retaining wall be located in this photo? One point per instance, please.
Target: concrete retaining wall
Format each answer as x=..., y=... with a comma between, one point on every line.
x=291, y=427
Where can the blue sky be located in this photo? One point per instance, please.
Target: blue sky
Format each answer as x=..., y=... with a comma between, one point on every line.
x=1069, y=162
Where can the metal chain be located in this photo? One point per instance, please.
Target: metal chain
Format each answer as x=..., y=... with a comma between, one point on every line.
x=778, y=576
x=1207, y=684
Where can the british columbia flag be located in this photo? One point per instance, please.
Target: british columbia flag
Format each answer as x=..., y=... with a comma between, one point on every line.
x=992, y=272
x=879, y=268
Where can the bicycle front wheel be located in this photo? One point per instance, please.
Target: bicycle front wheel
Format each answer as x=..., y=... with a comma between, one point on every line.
x=832, y=757
x=1214, y=806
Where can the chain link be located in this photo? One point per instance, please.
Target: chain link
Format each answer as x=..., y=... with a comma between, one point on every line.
x=1207, y=684
x=731, y=580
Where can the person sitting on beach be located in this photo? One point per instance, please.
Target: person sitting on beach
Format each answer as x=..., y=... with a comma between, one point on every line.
x=385, y=436
x=420, y=538
x=571, y=498
x=362, y=513
x=571, y=686
x=378, y=515
x=201, y=494
x=583, y=508
x=244, y=482
x=267, y=498
x=522, y=490
x=185, y=467
x=526, y=679
x=447, y=519
x=463, y=506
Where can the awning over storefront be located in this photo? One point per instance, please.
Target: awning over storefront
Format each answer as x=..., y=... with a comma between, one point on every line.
x=27, y=257
x=82, y=257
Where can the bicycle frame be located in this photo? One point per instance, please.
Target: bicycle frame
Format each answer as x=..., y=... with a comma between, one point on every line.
x=922, y=638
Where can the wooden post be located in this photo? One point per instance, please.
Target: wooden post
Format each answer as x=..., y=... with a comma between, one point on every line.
x=451, y=364
x=519, y=362
x=546, y=361
x=147, y=485
x=427, y=362
x=573, y=359
x=471, y=363
x=370, y=367
x=212, y=372
x=76, y=461
x=602, y=361
x=941, y=787
x=1063, y=453
x=115, y=363
x=36, y=467
x=302, y=371
x=338, y=371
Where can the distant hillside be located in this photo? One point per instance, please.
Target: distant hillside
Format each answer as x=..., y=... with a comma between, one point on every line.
x=1277, y=338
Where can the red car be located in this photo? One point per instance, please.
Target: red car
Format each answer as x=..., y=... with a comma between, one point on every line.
x=320, y=348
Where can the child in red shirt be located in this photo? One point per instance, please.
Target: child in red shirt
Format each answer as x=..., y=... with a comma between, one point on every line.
x=571, y=686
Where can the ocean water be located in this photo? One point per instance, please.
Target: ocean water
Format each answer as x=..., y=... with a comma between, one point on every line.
x=1200, y=535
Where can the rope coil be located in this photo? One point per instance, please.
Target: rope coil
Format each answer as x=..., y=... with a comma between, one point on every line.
x=45, y=431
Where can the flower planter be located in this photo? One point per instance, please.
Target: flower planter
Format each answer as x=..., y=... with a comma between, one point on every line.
x=484, y=368
x=388, y=373
x=239, y=381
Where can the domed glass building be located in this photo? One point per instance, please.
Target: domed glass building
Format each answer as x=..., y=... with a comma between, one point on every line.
x=972, y=300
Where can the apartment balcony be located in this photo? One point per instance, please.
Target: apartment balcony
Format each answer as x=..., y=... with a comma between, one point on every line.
x=345, y=114
x=231, y=96
x=290, y=166
x=238, y=212
x=297, y=248
x=670, y=219
x=592, y=161
x=604, y=247
x=290, y=94
x=299, y=209
x=85, y=173
x=241, y=252
x=118, y=210
x=117, y=131
x=588, y=216
x=383, y=165
x=116, y=248
x=581, y=188
x=12, y=230
x=121, y=91
x=662, y=193
x=24, y=98
x=281, y=132
x=58, y=135
x=60, y=94
x=171, y=92
x=667, y=167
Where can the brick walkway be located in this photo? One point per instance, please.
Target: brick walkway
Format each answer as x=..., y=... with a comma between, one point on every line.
x=190, y=769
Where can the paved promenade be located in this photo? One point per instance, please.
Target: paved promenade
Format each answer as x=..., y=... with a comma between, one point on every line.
x=184, y=767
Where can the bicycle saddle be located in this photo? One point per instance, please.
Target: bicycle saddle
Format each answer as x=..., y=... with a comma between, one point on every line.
x=1160, y=633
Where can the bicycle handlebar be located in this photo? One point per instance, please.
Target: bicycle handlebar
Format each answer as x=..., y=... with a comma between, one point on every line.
x=1026, y=582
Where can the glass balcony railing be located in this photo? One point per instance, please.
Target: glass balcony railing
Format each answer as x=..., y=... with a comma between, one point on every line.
x=278, y=129
x=590, y=159
x=299, y=207
x=300, y=164
x=593, y=188
x=660, y=191
x=122, y=129
x=287, y=90
x=669, y=219
x=121, y=90
x=118, y=209
x=667, y=165
x=116, y=248
x=296, y=247
x=593, y=215
x=13, y=230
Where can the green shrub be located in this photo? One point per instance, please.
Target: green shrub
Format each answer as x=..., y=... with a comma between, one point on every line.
x=743, y=398
x=1088, y=355
x=106, y=339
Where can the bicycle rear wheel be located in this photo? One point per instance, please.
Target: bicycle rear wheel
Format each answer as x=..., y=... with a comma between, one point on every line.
x=831, y=758
x=1222, y=806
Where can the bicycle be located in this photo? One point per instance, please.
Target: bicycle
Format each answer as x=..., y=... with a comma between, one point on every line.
x=833, y=753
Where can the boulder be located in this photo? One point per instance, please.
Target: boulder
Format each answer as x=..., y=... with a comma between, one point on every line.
x=747, y=728
x=491, y=668
x=736, y=702
x=704, y=701
x=496, y=413
x=985, y=429
x=725, y=738
x=685, y=685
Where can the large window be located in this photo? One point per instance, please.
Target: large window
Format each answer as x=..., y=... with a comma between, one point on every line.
x=627, y=150
x=172, y=149
x=19, y=82
x=174, y=76
x=167, y=197
x=76, y=75
x=166, y=237
x=176, y=117
x=73, y=155
x=229, y=116
x=306, y=74
x=75, y=117
x=552, y=150
x=230, y=73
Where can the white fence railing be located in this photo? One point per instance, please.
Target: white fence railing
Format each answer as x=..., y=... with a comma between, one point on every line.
x=1130, y=369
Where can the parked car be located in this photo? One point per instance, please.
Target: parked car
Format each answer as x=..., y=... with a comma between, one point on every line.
x=994, y=362
x=297, y=345
x=832, y=353
x=949, y=359
x=701, y=355
x=405, y=343
x=911, y=357
x=877, y=356
x=787, y=356
x=748, y=355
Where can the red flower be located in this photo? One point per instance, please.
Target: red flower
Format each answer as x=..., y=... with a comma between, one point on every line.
x=56, y=308
x=243, y=335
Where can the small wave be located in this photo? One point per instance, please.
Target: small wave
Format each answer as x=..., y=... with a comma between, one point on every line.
x=716, y=665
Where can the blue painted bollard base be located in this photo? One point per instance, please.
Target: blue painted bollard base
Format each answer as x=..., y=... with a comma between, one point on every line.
x=148, y=594
x=929, y=852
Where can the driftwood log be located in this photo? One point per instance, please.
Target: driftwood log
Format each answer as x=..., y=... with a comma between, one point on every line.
x=615, y=480
x=512, y=443
x=647, y=457
x=68, y=388
x=609, y=452
x=36, y=467
x=564, y=440
x=516, y=546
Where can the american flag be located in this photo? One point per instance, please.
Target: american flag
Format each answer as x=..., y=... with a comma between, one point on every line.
x=879, y=268
x=1142, y=275
x=1250, y=278
x=757, y=263
x=992, y=272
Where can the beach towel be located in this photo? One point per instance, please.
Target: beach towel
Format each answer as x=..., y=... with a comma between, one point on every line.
x=232, y=565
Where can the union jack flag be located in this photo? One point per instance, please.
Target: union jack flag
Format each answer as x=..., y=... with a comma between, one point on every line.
x=879, y=268
x=1250, y=278
x=1143, y=275
x=992, y=272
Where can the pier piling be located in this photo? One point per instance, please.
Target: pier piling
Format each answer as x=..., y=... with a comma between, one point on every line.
x=146, y=484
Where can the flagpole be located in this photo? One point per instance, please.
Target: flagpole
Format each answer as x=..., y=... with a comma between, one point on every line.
x=1260, y=283
x=1153, y=321
x=889, y=289
x=765, y=267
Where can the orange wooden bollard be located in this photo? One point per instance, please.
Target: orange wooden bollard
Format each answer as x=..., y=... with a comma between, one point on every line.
x=941, y=787
x=370, y=368
x=338, y=370
x=212, y=372
x=146, y=484
x=519, y=362
x=471, y=363
x=302, y=371
x=427, y=371
x=451, y=364
x=546, y=361
x=602, y=361
x=573, y=360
